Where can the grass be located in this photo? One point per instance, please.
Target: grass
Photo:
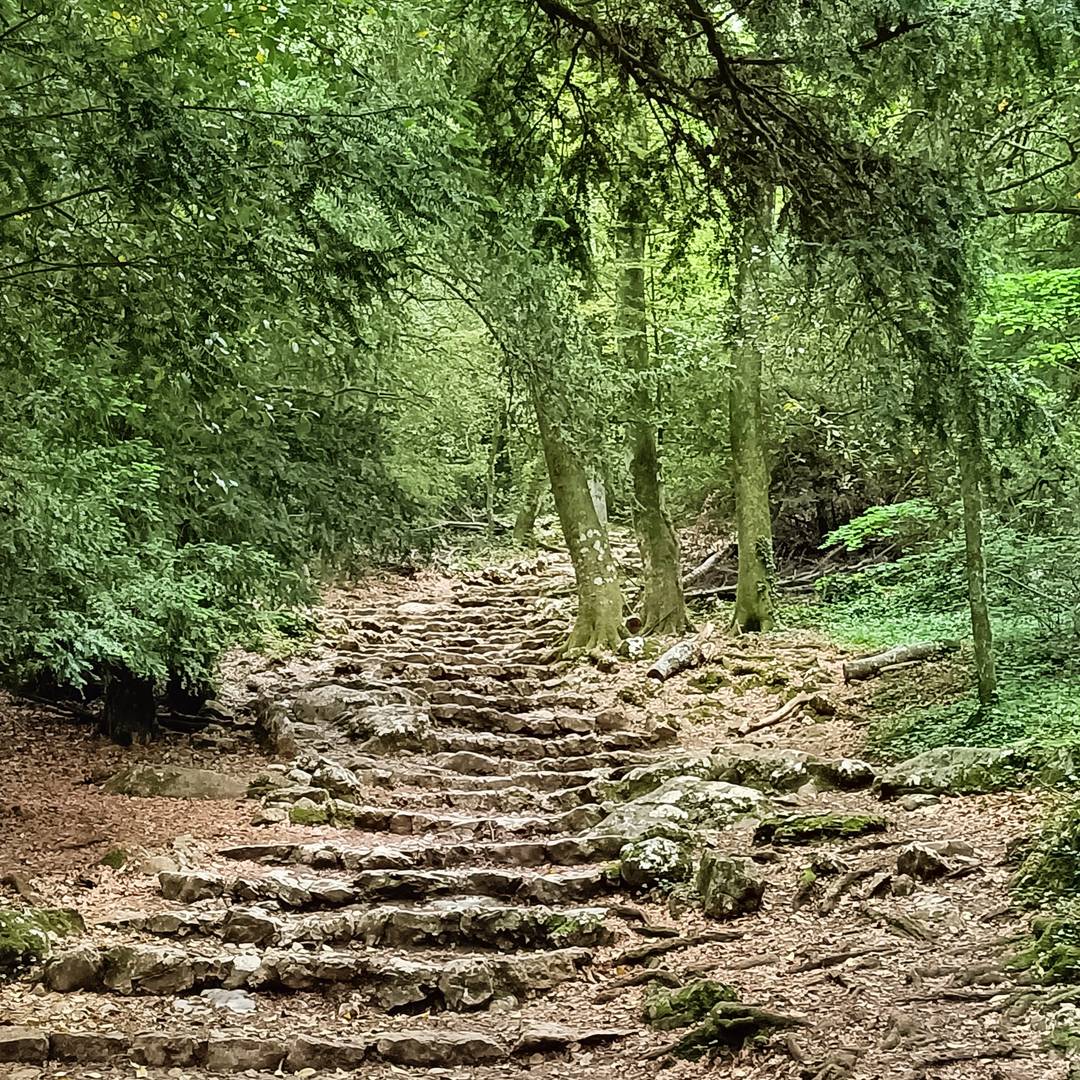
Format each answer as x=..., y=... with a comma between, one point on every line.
x=1038, y=678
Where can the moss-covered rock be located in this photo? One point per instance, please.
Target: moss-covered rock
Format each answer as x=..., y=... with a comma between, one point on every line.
x=729, y=1025
x=674, y=1008
x=115, y=859
x=175, y=782
x=956, y=770
x=806, y=828
x=1052, y=955
x=27, y=935
x=306, y=812
x=728, y=887
x=655, y=863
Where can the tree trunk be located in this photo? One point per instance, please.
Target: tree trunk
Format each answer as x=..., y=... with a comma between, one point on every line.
x=970, y=459
x=754, y=592
x=598, y=625
x=129, y=713
x=663, y=608
x=525, y=522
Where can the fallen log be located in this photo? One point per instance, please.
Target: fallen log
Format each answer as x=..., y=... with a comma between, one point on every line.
x=685, y=654
x=701, y=569
x=866, y=667
x=790, y=709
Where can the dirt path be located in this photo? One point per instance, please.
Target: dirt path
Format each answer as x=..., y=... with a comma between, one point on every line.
x=432, y=888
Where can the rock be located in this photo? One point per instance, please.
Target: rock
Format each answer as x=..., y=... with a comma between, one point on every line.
x=87, y=1047
x=435, y=1049
x=921, y=862
x=956, y=770
x=390, y=729
x=656, y=862
x=234, y=1053
x=274, y=731
x=645, y=778
x=158, y=864
x=918, y=802
x=77, y=969
x=248, y=926
x=805, y=828
x=470, y=764
x=270, y=815
x=25, y=1046
x=902, y=885
x=336, y=779
x=28, y=934
x=327, y=704
x=539, y=1038
x=163, y=1051
x=307, y=812
x=175, y=782
x=727, y=886
x=149, y=969
x=190, y=887
x=666, y=1008
x=321, y=1053
x=234, y=1001
x=683, y=802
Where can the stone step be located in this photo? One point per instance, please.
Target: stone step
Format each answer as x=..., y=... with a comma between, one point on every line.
x=465, y=982
x=536, y=723
x=565, y=851
x=510, y=702
x=219, y=1052
x=503, y=798
x=553, y=888
x=447, y=778
x=449, y=923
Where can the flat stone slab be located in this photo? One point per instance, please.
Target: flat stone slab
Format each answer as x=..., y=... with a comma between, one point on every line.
x=175, y=782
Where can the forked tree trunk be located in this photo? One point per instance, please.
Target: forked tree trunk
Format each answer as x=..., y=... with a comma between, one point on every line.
x=663, y=608
x=598, y=624
x=754, y=592
x=970, y=460
x=129, y=710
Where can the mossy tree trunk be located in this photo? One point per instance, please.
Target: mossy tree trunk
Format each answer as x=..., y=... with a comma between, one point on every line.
x=750, y=472
x=598, y=625
x=969, y=454
x=129, y=709
x=663, y=608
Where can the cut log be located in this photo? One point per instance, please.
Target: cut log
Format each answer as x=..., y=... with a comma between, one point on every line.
x=866, y=667
x=689, y=653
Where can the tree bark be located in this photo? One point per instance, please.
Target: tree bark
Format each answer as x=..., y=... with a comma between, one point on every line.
x=663, y=607
x=970, y=461
x=754, y=591
x=598, y=625
x=129, y=711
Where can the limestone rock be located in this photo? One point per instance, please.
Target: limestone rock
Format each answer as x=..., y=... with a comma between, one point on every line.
x=175, y=782
x=539, y=1038
x=248, y=926
x=327, y=704
x=438, y=1049
x=163, y=1051
x=322, y=1053
x=87, y=1047
x=26, y=1046
x=234, y=1053
x=390, y=729
x=655, y=862
x=682, y=803
x=76, y=969
x=930, y=861
x=728, y=887
x=190, y=887
x=956, y=770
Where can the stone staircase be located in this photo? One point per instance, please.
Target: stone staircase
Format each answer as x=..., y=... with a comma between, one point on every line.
x=455, y=913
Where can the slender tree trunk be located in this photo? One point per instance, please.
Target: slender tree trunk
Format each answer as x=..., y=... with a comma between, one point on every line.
x=598, y=625
x=754, y=592
x=129, y=712
x=663, y=609
x=970, y=460
x=525, y=522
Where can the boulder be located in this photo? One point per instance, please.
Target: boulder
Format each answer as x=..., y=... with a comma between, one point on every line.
x=25, y=1046
x=667, y=1008
x=728, y=887
x=390, y=729
x=339, y=781
x=956, y=770
x=77, y=969
x=655, y=862
x=175, y=782
x=683, y=803
x=645, y=778
x=189, y=887
x=248, y=926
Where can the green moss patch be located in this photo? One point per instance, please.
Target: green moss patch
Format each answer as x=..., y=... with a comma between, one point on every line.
x=666, y=1009
x=806, y=828
x=26, y=935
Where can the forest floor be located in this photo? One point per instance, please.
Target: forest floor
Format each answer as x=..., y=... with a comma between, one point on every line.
x=897, y=986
